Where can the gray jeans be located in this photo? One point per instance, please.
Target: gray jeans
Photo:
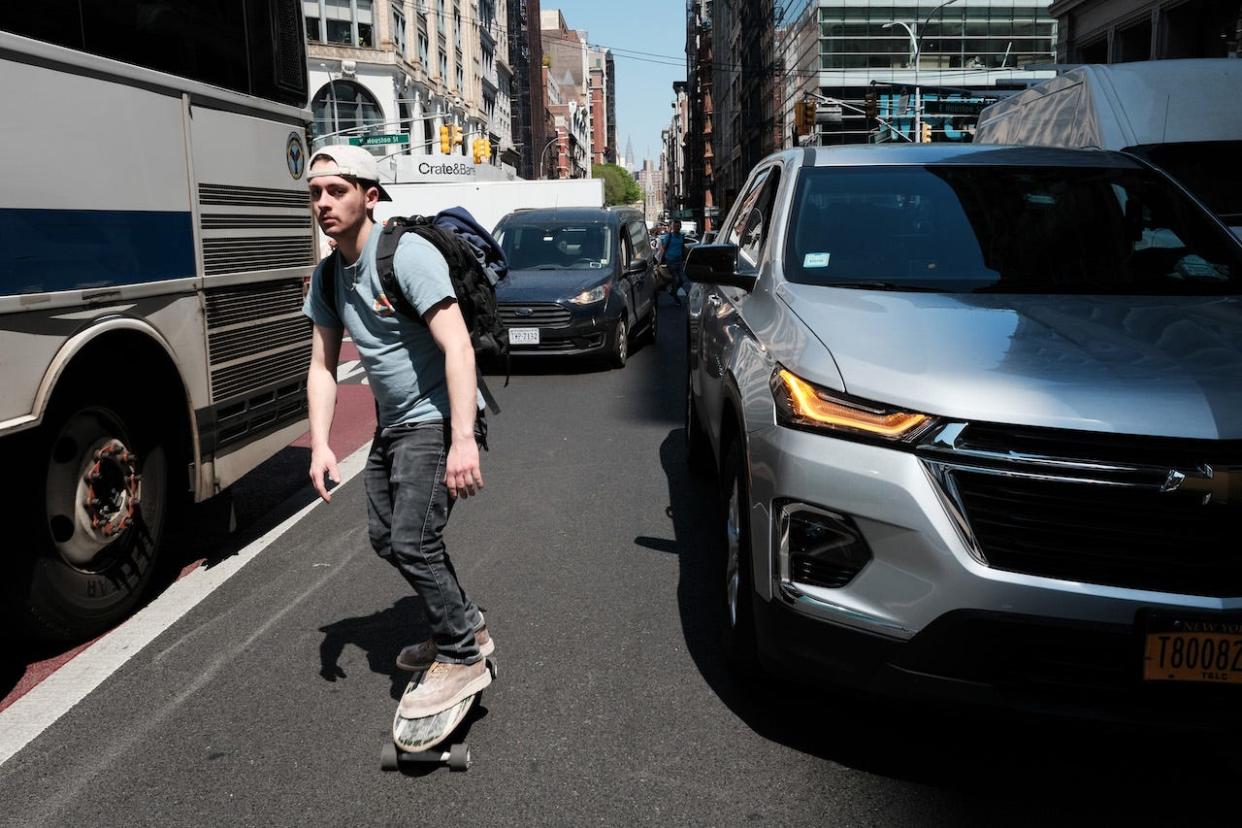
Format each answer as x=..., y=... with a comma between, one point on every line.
x=407, y=509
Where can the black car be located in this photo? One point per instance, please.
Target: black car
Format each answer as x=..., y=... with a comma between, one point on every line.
x=581, y=281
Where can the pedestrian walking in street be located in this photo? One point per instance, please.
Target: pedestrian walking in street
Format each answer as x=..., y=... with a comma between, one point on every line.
x=425, y=453
x=672, y=254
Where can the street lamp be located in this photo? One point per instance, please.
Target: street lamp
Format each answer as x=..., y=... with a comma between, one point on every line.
x=916, y=59
x=544, y=151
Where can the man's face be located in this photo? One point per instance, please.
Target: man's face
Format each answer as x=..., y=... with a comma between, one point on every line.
x=340, y=204
x=677, y=227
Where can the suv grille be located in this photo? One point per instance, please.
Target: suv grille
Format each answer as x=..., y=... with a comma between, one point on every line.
x=541, y=315
x=1128, y=537
x=1098, y=508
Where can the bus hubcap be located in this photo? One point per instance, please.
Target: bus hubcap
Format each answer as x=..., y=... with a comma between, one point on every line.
x=93, y=487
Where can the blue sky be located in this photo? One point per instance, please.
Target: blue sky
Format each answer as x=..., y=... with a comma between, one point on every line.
x=644, y=85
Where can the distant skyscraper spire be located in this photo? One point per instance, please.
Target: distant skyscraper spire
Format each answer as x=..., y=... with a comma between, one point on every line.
x=630, y=160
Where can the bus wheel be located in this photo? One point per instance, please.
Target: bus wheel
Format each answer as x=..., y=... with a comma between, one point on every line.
x=93, y=536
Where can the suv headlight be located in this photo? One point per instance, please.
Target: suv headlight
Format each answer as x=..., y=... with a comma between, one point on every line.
x=801, y=404
x=590, y=297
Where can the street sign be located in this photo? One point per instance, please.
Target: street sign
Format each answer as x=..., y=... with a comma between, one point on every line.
x=957, y=106
x=711, y=212
x=829, y=114
x=378, y=140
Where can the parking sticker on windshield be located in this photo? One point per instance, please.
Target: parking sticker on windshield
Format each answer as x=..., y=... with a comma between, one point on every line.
x=815, y=260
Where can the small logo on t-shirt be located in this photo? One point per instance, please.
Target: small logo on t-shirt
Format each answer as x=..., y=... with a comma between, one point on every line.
x=383, y=307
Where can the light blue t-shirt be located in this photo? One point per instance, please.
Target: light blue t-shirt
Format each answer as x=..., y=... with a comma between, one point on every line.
x=674, y=246
x=404, y=364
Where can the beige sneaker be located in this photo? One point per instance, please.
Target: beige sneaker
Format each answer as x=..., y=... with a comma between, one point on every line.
x=420, y=656
x=443, y=686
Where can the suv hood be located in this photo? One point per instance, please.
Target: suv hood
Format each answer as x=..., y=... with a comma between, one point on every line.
x=1161, y=366
x=548, y=285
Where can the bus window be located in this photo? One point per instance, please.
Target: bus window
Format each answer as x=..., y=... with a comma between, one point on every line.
x=249, y=46
x=53, y=21
x=204, y=40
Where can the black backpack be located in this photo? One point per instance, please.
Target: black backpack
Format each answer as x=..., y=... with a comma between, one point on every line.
x=476, y=263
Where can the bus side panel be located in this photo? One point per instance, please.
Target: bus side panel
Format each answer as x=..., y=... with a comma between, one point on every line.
x=96, y=219
x=257, y=248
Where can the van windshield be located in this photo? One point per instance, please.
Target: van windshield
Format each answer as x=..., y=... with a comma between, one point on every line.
x=1038, y=229
x=1212, y=170
x=556, y=245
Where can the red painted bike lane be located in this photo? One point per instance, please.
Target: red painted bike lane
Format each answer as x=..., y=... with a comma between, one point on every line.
x=352, y=428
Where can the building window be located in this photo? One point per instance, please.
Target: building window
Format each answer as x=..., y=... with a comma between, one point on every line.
x=443, y=65
x=457, y=24
x=489, y=106
x=314, y=24
x=461, y=82
x=440, y=16
x=488, y=61
x=398, y=29
x=424, y=45
x=345, y=105
x=970, y=37
x=348, y=22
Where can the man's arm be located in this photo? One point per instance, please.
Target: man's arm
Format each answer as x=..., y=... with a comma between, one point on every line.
x=321, y=400
x=462, y=474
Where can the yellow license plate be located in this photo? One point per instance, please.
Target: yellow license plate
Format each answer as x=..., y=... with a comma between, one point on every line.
x=1177, y=655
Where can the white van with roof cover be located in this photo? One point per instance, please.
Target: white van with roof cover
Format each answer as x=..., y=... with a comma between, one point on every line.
x=1181, y=115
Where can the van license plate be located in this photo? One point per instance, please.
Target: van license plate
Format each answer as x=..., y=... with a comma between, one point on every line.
x=1201, y=650
x=523, y=336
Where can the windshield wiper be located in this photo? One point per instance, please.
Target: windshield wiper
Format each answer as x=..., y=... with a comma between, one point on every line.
x=548, y=267
x=887, y=286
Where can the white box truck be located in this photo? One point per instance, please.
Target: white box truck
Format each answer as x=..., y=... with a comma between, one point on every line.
x=1180, y=115
x=490, y=201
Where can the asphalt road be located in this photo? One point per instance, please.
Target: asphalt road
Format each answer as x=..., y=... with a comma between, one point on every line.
x=592, y=553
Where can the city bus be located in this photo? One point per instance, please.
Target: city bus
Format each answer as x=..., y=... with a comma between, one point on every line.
x=155, y=233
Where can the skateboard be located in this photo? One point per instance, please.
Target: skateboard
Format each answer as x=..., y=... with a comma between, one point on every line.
x=418, y=740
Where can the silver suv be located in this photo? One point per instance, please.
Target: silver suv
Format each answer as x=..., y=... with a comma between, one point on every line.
x=977, y=413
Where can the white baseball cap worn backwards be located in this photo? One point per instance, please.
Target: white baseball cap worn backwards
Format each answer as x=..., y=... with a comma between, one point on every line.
x=351, y=162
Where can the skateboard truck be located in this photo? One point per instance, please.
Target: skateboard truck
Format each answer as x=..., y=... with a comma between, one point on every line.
x=457, y=757
x=427, y=734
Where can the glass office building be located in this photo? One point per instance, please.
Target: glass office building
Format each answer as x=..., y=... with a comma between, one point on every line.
x=967, y=52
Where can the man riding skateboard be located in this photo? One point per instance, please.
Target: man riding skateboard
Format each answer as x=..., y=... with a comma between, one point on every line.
x=425, y=454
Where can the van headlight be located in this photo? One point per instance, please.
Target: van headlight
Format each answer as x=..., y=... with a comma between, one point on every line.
x=802, y=404
x=590, y=297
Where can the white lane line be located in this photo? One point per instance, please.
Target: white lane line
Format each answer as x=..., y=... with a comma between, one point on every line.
x=56, y=695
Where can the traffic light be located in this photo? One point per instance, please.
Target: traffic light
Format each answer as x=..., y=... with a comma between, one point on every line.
x=808, y=116
x=871, y=107
x=925, y=136
x=476, y=149
x=798, y=117
x=486, y=146
x=456, y=135
x=444, y=140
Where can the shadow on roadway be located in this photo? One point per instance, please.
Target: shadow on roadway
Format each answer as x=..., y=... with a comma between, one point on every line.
x=380, y=635
x=983, y=767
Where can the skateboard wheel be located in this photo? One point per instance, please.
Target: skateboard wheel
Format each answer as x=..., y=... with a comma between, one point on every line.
x=459, y=758
x=388, y=757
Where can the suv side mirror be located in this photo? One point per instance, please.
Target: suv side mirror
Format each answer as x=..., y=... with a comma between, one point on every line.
x=636, y=266
x=716, y=264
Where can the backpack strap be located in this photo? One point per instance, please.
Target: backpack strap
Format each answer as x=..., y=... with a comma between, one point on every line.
x=385, y=251
x=327, y=281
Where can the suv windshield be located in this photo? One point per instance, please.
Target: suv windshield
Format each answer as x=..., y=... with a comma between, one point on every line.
x=557, y=245
x=1212, y=170
x=954, y=228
